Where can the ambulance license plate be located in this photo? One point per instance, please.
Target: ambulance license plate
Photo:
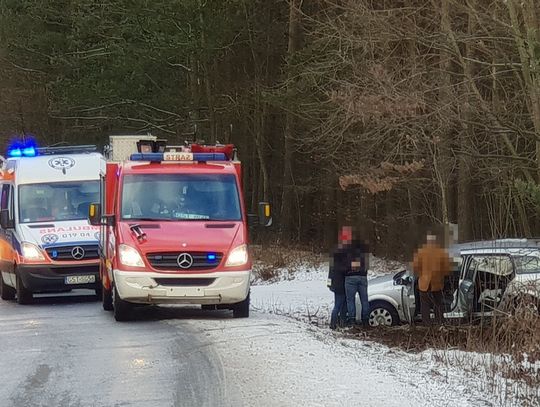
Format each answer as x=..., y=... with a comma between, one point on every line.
x=80, y=279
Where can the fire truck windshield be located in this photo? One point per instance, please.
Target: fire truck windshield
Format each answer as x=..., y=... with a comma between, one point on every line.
x=56, y=201
x=181, y=197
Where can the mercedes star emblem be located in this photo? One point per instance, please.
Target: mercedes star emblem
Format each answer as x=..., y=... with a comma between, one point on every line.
x=184, y=260
x=77, y=252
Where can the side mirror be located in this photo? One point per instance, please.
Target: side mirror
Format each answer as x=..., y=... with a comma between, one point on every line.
x=5, y=221
x=94, y=214
x=265, y=215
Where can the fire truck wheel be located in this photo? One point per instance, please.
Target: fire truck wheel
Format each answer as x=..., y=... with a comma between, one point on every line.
x=106, y=299
x=6, y=292
x=24, y=296
x=122, y=309
x=241, y=309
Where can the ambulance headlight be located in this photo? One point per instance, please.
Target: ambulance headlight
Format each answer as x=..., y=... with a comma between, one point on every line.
x=130, y=256
x=31, y=252
x=238, y=256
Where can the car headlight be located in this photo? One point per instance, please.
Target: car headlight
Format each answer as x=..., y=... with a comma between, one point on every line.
x=129, y=256
x=31, y=252
x=238, y=256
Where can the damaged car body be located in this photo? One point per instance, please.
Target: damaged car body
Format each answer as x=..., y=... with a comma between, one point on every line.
x=487, y=277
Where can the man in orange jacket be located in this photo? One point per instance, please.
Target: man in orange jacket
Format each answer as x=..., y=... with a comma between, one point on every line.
x=431, y=264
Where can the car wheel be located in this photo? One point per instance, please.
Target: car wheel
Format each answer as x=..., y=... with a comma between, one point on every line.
x=24, y=296
x=383, y=314
x=122, y=309
x=241, y=309
x=7, y=293
x=106, y=299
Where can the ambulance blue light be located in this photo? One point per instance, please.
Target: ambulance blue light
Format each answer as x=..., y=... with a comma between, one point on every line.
x=20, y=148
x=15, y=152
x=29, y=151
x=211, y=257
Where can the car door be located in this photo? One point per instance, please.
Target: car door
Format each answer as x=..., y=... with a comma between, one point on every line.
x=409, y=295
x=7, y=253
x=465, y=292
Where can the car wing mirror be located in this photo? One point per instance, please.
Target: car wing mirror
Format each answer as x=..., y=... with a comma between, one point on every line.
x=265, y=214
x=94, y=214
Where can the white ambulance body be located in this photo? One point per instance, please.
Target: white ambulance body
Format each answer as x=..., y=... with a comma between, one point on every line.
x=46, y=242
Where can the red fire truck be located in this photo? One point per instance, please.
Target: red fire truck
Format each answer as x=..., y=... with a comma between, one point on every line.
x=174, y=229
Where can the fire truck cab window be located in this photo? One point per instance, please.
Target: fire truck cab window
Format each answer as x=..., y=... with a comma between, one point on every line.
x=180, y=197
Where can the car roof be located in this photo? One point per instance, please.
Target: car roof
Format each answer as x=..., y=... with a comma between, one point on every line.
x=497, y=246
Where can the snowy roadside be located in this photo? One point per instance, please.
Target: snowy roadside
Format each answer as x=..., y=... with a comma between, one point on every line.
x=303, y=296
x=302, y=293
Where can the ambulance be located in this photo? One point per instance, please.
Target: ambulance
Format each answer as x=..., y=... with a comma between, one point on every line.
x=175, y=229
x=46, y=242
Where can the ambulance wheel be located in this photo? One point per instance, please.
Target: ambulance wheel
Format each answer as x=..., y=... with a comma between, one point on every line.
x=106, y=299
x=241, y=309
x=122, y=309
x=7, y=293
x=24, y=296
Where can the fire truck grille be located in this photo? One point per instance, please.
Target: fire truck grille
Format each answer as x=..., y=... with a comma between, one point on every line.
x=184, y=260
x=74, y=252
x=185, y=282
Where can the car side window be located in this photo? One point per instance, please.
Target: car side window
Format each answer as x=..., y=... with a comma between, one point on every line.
x=527, y=264
x=471, y=267
x=6, y=201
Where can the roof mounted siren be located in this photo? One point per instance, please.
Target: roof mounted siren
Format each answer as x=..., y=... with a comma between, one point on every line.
x=158, y=151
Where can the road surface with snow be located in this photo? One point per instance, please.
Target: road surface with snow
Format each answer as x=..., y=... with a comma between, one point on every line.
x=67, y=351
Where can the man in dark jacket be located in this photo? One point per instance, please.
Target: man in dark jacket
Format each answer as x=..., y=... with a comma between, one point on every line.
x=356, y=280
x=336, y=283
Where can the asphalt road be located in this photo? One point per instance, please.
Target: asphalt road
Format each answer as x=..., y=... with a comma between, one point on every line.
x=67, y=351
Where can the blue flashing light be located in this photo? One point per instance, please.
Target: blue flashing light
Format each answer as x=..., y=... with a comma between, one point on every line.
x=211, y=257
x=29, y=151
x=155, y=157
x=54, y=254
x=15, y=152
x=19, y=148
x=209, y=157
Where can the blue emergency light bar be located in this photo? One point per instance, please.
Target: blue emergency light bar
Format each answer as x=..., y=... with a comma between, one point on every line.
x=19, y=149
x=29, y=148
x=159, y=157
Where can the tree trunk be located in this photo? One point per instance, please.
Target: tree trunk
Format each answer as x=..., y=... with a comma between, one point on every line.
x=289, y=202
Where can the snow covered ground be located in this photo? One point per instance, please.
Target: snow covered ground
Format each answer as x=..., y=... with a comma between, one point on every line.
x=303, y=294
x=370, y=373
x=287, y=363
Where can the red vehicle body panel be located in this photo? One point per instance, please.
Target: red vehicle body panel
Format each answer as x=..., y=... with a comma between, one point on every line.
x=164, y=236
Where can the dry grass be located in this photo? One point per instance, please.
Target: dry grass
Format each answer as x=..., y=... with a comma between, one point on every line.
x=273, y=262
x=506, y=350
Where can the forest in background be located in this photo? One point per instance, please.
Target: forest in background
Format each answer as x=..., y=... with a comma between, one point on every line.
x=392, y=115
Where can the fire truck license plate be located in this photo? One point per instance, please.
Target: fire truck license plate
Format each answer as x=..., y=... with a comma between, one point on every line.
x=80, y=279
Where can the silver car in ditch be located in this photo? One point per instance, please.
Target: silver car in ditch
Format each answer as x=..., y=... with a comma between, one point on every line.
x=486, y=276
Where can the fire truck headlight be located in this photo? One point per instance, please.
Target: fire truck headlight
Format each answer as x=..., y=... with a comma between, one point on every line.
x=238, y=256
x=129, y=256
x=31, y=252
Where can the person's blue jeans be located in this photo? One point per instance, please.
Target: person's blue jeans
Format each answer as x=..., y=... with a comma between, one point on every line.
x=353, y=285
x=339, y=313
